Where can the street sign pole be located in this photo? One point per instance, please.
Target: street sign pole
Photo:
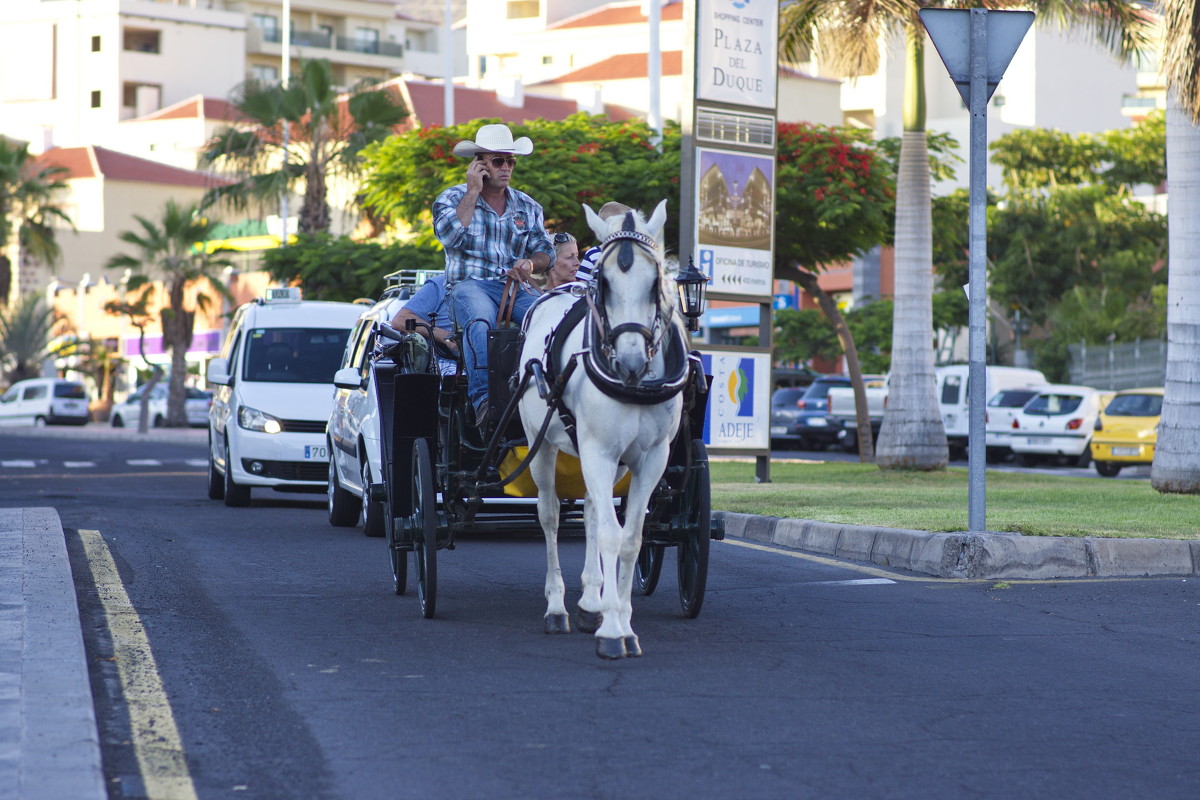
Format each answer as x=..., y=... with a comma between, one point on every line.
x=976, y=62
x=977, y=303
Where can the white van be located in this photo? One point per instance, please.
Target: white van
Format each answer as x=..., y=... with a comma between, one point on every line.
x=953, y=393
x=44, y=401
x=272, y=395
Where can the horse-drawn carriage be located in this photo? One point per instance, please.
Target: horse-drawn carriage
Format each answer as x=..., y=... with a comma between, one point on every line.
x=556, y=386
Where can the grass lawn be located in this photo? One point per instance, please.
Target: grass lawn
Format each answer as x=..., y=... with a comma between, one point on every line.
x=1036, y=505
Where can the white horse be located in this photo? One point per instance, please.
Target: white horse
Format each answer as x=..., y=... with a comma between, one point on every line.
x=626, y=411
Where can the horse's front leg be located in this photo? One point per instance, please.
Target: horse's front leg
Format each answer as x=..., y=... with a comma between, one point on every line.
x=645, y=478
x=599, y=472
x=589, y=603
x=542, y=470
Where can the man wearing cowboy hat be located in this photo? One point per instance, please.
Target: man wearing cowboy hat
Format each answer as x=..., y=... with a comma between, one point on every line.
x=490, y=232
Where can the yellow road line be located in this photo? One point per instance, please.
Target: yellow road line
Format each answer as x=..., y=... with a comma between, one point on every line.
x=155, y=736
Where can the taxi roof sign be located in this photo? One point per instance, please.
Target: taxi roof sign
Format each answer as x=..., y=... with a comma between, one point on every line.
x=282, y=294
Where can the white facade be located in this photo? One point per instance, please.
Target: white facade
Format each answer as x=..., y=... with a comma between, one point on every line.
x=70, y=72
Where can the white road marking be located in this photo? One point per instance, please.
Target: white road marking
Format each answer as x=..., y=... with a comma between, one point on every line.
x=143, y=462
x=859, y=582
x=78, y=464
x=197, y=462
x=20, y=462
x=160, y=755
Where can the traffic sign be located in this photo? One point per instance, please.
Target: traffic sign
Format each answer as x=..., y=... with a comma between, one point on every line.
x=950, y=30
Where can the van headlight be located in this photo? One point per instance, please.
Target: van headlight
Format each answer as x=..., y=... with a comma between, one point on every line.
x=254, y=420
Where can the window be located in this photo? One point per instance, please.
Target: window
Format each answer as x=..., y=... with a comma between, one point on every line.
x=34, y=393
x=142, y=40
x=144, y=98
x=950, y=390
x=547, y=59
x=366, y=40
x=95, y=44
x=523, y=9
x=96, y=99
x=269, y=25
x=264, y=73
x=71, y=391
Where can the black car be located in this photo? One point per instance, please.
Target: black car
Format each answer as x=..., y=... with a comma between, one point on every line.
x=798, y=418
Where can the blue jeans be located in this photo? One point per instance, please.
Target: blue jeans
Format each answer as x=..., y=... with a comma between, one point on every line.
x=474, y=299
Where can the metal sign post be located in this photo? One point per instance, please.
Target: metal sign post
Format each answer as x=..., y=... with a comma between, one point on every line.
x=976, y=46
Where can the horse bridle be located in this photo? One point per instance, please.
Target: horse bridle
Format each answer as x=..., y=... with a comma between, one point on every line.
x=622, y=243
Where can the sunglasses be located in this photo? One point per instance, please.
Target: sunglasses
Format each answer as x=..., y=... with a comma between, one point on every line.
x=563, y=238
x=499, y=161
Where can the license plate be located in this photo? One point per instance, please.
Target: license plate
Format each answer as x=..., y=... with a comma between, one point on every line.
x=816, y=422
x=1125, y=451
x=1032, y=440
x=779, y=430
x=316, y=452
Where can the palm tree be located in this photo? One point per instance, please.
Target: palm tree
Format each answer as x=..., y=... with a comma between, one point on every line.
x=172, y=249
x=27, y=209
x=1176, y=468
x=845, y=37
x=326, y=129
x=25, y=329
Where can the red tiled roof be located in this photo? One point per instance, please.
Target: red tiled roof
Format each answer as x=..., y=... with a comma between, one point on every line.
x=622, y=67
x=93, y=162
x=617, y=14
x=198, y=107
x=425, y=101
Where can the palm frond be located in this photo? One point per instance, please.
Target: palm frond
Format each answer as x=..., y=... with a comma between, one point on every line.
x=1181, y=52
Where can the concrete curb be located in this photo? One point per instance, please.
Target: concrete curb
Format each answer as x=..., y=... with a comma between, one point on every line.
x=983, y=556
x=49, y=744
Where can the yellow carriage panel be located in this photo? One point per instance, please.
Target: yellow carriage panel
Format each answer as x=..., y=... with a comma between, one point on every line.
x=568, y=480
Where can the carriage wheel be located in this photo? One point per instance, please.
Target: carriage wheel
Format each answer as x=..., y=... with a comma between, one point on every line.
x=648, y=568
x=424, y=527
x=693, y=544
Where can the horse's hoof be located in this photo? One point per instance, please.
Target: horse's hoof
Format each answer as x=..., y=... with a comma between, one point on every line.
x=558, y=623
x=632, y=648
x=611, y=649
x=589, y=621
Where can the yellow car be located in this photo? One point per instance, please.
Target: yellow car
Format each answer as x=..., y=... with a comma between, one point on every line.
x=1127, y=430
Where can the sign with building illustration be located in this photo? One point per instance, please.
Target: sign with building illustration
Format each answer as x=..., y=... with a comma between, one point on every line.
x=738, y=400
x=735, y=51
x=735, y=214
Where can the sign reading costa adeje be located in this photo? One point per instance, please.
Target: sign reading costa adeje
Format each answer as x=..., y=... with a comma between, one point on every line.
x=735, y=51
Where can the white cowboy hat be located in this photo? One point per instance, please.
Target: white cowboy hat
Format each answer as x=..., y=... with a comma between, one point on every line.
x=494, y=139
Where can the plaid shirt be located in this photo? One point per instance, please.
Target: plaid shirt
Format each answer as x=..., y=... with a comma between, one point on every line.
x=488, y=248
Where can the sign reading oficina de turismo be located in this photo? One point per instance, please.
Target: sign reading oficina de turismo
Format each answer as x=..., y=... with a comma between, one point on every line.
x=735, y=52
x=738, y=399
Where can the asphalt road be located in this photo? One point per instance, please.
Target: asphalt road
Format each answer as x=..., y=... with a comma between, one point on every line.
x=292, y=671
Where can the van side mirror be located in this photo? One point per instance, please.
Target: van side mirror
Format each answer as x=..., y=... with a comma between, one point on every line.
x=218, y=372
x=348, y=378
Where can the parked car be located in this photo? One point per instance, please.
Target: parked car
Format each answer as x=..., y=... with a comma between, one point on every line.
x=44, y=401
x=272, y=398
x=355, y=459
x=800, y=417
x=195, y=406
x=1056, y=424
x=953, y=393
x=1002, y=409
x=1127, y=430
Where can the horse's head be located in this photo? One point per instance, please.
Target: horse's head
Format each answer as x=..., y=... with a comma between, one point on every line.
x=635, y=298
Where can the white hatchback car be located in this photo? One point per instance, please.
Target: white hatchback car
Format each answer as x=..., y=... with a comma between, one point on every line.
x=271, y=400
x=195, y=406
x=1056, y=424
x=1002, y=409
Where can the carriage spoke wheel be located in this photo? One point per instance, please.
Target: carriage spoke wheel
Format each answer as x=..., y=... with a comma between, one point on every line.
x=648, y=568
x=693, y=544
x=424, y=527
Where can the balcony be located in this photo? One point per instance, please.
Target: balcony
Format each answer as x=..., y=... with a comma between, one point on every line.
x=340, y=49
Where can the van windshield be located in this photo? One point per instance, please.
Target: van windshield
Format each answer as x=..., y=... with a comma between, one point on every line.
x=293, y=355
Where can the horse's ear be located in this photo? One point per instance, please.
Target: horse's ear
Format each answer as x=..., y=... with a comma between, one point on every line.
x=657, y=221
x=598, y=226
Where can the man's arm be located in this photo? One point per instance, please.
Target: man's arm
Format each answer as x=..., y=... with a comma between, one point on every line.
x=440, y=334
